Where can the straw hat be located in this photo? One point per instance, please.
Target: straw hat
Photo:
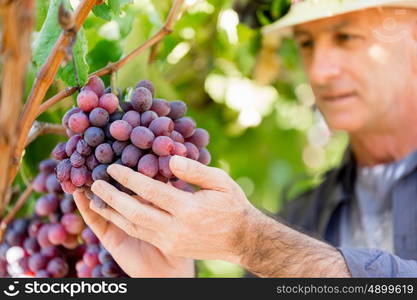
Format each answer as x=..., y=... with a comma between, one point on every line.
x=310, y=10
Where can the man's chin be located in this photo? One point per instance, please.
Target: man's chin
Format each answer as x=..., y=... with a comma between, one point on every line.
x=344, y=124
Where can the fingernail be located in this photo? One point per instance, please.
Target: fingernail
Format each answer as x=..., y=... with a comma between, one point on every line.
x=96, y=186
x=178, y=162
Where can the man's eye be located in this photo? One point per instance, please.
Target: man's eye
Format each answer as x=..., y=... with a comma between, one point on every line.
x=306, y=44
x=345, y=37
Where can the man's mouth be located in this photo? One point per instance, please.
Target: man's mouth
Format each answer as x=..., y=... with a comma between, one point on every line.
x=338, y=97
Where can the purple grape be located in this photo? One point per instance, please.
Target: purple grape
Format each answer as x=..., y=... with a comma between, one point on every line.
x=31, y=245
x=98, y=202
x=132, y=117
x=96, y=85
x=109, y=102
x=99, y=117
x=78, y=122
x=90, y=259
x=147, y=117
x=91, y=162
x=164, y=169
x=104, y=256
x=42, y=237
x=180, y=149
x=177, y=137
x=178, y=109
x=142, y=137
x=68, y=187
x=161, y=107
x=192, y=151
x=63, y=170
x=110, y=269
x=185, y=126
x=79, y=176
x=72, y=144
x=42, y=274
x=104, y=153
x=34, y=227
x=77, y=160
x=89, y=237
x=14, y=238
x=131, y=155
x=53, y=185
x=100, y=173
x=67, y=205
x=47, y=166
x=163, y=146
x=83, y=148
x=87, y=100
x=57, y=234
x=39, y=184
x=20, y=225
x=200, y=138
x=148, y=165
x=50, y=251
x=118, y=115
x=57, y=267
x=120, y=130
x=141, y=99
x=59, y=152
x=148, y=85
x=126, y=106
x=72, y=223
x=162, y=126
x=68, y=114
x=204, y=156
x=46, y=205
x=37, y=262
x=118, y=147
x=94, y=136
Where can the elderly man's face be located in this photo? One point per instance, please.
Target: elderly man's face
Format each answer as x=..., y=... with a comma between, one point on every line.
x=361, y=66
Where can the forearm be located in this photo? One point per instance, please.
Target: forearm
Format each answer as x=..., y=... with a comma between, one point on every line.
x=268, y=248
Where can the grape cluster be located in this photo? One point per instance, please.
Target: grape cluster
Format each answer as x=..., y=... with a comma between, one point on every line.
x=142, y=132
x=55, y=241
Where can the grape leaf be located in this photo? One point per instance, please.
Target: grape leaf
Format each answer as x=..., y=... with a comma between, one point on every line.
x=103, y=11
x=117, y=5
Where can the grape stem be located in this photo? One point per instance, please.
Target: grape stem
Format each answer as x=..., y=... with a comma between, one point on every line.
x=56, y=98
x=12, y=213
x=40, y=128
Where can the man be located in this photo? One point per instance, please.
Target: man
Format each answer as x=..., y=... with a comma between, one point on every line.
x=363, y=77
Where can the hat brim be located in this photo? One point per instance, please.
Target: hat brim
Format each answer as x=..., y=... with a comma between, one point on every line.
x=310, y=10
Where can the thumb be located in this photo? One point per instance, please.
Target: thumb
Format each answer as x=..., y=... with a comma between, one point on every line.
x=193, y=172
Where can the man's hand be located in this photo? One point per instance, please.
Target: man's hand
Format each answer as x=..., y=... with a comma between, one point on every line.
x=207, y=224
x=137, y=258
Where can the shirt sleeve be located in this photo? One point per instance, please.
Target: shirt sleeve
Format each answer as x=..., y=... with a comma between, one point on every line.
x=376, y=263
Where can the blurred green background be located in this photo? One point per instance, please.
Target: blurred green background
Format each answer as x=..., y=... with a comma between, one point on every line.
x=247, y=90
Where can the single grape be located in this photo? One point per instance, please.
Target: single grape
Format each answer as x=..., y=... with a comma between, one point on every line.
x=71, y=242
x=118, y=147
x=162, y=126
x=141, y=99
x=110, y=269
x=68, y=187
x=46, y=205
x=57, y=234
x=131, y=155
x=57, y=267
x=109, y=102
x=96, y=85
x=148, y=85
x=104, y=153
x=59, y=151
x=161, y=178
x=163, y=146
x=204, y=156
x=31, y=245
x=87, y=100
x=72, y=223
x=99, y=117
x=94, y=136
x=77, y=160
x=192, y=151
x=14, y=238
x=89, y=237
x=98, y=202
x=79, y=175
x=185, y=126
x=63, y=170
x=39, y=183
x=71, y=144
x=104, y=256
x=132, y=117
x=90, y=259
x=142, y=137
x=68, y=114
x=161, y=107
x=120, y=130
x=91, y=162
x=164, y=169
x=47, y=166
x=20, y=225
x=42, y=237
x=177, y=137
x=147, y=117
x=118, y=115
x=37, y=262
x=100, y=173
x=53, y=185
x=180, y=149
x=78, y=122
x=178, y=109
x=67, y=205
x=200, y=138
x=69, y=132
x=83, y=148
x=148, y=165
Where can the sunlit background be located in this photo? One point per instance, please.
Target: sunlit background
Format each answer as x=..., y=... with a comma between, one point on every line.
x=247, y=90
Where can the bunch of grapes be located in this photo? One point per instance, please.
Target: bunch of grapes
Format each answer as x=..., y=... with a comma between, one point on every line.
x=54, y=240
x=142, y=133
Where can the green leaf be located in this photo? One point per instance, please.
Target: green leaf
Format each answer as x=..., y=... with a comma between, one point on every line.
x=48, y=35
x=103, y=11
x=41, y=11
x=80, y=50
x=117, y=5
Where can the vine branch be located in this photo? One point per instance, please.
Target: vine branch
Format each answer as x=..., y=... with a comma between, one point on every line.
x=41, y=128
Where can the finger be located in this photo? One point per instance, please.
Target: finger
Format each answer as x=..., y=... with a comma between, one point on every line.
x=130, y=208
x=121, y=222
x=163, y=195
x=97, y=224
x=196, y=173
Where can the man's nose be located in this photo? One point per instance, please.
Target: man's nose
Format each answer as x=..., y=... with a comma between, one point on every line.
x=325, y=65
